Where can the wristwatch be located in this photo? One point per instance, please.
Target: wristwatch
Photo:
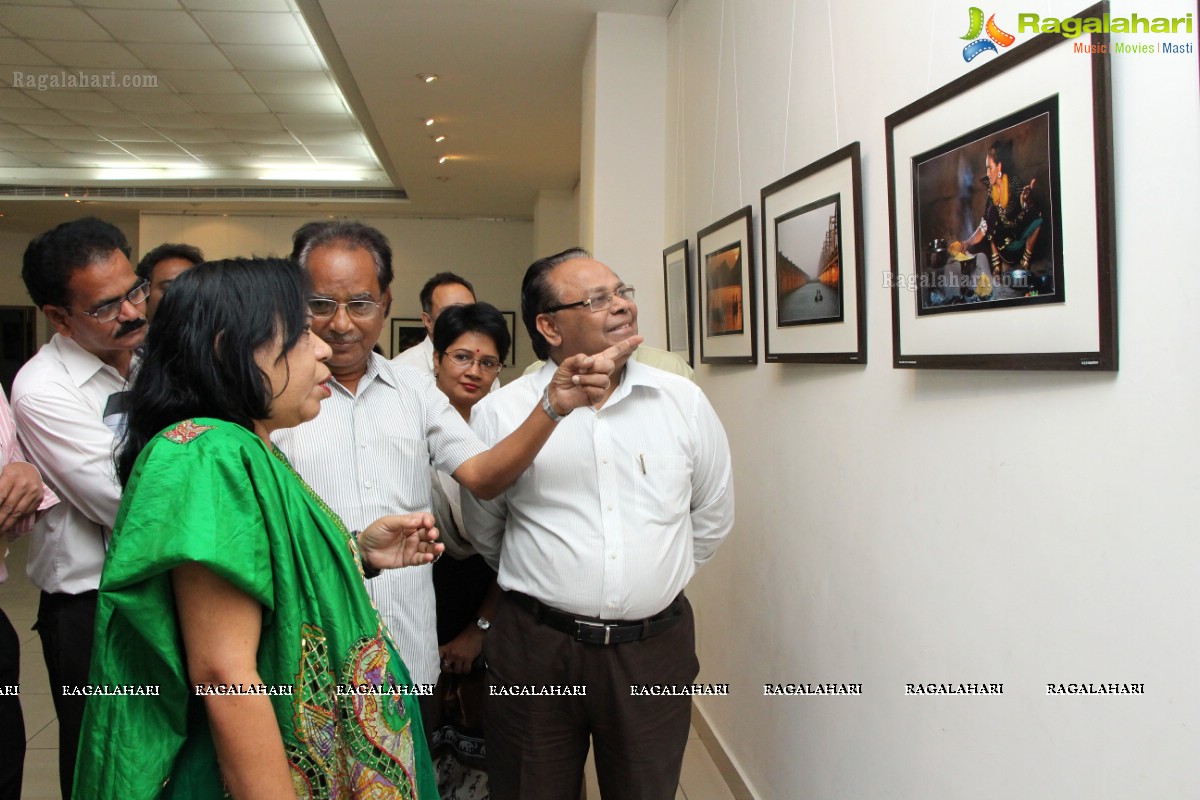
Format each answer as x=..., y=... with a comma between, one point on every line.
x=549, y=409
x=483, y=623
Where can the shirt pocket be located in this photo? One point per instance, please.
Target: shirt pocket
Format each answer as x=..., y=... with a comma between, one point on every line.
x=664, y=487
x=406, y=455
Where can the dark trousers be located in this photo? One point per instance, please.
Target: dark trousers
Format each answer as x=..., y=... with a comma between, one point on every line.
x=66, y=624
x=12, y=723
x=537, y=745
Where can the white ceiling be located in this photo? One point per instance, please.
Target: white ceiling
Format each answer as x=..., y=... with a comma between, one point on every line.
x=303, y=89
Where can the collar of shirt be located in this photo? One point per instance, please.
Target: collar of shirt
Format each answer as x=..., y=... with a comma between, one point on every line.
x=373, y=372
x=636, y=374
x=81, y=365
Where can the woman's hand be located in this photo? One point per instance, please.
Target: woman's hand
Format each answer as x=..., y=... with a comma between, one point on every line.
x=400, y=540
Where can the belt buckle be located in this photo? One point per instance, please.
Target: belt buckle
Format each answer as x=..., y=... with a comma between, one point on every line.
x=579, y=626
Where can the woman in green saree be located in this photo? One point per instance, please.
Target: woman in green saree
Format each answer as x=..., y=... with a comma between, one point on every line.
x=237, y=651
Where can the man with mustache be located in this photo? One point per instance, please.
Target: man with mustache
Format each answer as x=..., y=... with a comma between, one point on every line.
x=68, y=403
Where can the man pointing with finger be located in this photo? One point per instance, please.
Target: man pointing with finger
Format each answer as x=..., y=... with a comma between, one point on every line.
x=595, y=543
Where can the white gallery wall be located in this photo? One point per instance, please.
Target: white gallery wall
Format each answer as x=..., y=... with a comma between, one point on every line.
x=905, y=526
x=493, y=255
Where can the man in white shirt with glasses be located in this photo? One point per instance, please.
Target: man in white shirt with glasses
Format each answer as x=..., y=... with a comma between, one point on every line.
x=594, y=544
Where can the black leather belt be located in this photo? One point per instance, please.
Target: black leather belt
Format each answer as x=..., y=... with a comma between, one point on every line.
x=590, y=630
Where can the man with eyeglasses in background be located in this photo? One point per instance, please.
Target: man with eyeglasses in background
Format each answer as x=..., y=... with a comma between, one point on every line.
x=369, y=451
x=594, y=546
x=68, y=404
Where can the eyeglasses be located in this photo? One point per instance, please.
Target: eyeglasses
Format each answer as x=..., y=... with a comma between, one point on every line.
x=597, y=302
x=110, y=311
x=463, y=360
x=324, y=307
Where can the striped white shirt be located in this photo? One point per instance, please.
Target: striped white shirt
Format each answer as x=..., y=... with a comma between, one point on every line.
x=10, y=452
x=368, y=455
x=621, y=504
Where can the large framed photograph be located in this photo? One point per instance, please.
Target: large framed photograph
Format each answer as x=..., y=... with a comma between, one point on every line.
x=1001, y=213
x=814, y=279
x=406, y=332
x=725, y=263
x=677, y=280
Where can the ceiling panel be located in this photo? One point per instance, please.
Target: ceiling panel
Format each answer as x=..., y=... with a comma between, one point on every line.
x=74, y=100
x=90, y=55
x=180, y=56
x=36, y=21
x=150, y=26
x=248, y=27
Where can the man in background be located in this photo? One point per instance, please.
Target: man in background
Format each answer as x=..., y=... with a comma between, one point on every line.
x=439, y=292
x=69, y=405
x=162, y=265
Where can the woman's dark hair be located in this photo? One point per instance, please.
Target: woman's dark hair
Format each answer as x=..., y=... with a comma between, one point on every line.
x=481, y=318
x=198, y=359
x=537, y=294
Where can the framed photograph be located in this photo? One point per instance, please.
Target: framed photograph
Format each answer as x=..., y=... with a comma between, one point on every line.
x=1001, y=213
x=725, y=263
x=511, y=317
x=814, y=279
x=406, y=332
x=677, y=279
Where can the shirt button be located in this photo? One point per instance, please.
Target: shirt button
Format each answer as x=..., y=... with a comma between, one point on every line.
x=604, y=461
x=613, y=556
x=610, y=506
x=367, y=485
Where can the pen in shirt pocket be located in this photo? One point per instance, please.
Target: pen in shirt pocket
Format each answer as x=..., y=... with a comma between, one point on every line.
x=642, y=461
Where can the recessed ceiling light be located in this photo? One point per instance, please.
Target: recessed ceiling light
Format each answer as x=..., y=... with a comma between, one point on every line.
x=429, y=121
x=427, y=77
x=443, y=159
x=440, y=138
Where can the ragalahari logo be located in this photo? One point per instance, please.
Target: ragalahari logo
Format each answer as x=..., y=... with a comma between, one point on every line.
x=979, y=45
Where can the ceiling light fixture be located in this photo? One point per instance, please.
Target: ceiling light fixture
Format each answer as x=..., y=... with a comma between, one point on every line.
x=439, y=139
x=427, y=77
x=429, y=121
x=443, y=159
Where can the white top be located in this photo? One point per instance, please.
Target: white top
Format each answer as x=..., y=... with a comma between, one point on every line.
x=419, y=356
x=69, y=409
x=369, y=454
x=621, y=504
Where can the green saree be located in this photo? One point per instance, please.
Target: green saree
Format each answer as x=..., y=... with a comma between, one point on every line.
x=211, y=492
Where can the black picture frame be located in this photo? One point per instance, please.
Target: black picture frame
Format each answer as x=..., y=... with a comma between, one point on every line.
x=726, y=279
x=677, y=289
x=406, y=332
x=511, y=318
x=1078, y=331
x=815, y=215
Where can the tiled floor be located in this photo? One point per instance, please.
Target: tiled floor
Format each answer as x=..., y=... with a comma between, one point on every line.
x=18, y=598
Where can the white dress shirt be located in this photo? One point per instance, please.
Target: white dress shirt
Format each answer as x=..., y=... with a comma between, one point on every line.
x=369, y=454
x=621, y=504
x=69, y=422
x=419, y=356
